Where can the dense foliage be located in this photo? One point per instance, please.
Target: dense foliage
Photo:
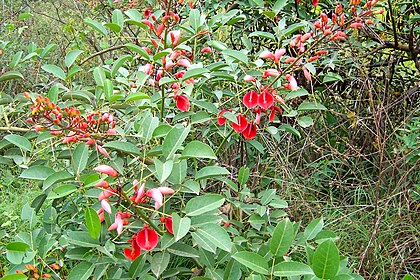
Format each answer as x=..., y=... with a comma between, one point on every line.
x=211, y=139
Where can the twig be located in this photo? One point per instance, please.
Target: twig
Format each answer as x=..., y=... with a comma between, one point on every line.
x=102, y=52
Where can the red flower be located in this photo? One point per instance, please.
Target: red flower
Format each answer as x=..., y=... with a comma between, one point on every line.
x=315, y=2
x=108, y=170
x=265, y=100
x=250, y=99
x=147, y=238
x=168, y=224
x=182, y=102
x=250, y=132
x=241, y=123
x=133, y=253
x=220, y=119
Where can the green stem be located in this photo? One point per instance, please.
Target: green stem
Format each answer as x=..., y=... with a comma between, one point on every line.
x=221, y=145
x=142, y=215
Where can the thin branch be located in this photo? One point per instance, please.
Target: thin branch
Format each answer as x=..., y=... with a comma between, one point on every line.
x=101, y=52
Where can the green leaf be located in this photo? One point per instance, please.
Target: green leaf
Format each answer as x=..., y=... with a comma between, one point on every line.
x=332, y=77
x=108, y=89
x=311, y=106
x=24, y=16
x=262, y=34
x=82, y=239
x=48, y=49
x=279, y=5
x=159, y=263
x=71, y=57
x=211, y=171
x=163, y=170
x=125, y=147
x=15, y=277
x=289, y=128
x=326, y=260
x=259, y=3
x=99, y=76
x=195, y=19
x=238, y=55
x=198, y=149
x=117, y=18
x=313, y=228
x=167, y=80
x=243, y=175
x=80, y=158
x=282, y=239
x=252, y=261
x=97, y=26
x=93, y=224
x=408, y=277
x=82, y=271
x=56, y=177
x=174, y=140
x=183, y=250
x=37, y=172
x=19, y=141
x=28, y=214
x=136, y=266
x=118, y=63
x=305, y=121
x=203, y=242
x=196, y=72
x=296, y=93
x=287, y=269
x=216, y=235
x=202, y=204
x=61, y=191
x=136, y=96
x=54, y=70
x=138, y=50
x=180, y=226
x=10, y=75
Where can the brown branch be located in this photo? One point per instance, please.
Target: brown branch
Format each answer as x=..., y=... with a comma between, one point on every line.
x=102, y=52
x=14, y=129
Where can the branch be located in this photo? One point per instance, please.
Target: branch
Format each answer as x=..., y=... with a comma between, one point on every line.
x=101, y=52
x=14, y=129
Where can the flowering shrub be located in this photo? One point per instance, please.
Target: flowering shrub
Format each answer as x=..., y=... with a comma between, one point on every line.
x=158, y=117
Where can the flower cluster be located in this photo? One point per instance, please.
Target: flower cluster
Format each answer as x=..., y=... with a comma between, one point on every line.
x=145, y=239
x=70, y=123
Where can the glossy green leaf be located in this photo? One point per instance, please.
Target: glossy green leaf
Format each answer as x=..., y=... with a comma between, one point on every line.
x=279, y=5
x=282, y=238
x=287, y=269
x=93, y=224
x=296, y=93
x=37, y=172
x=82, y=271
x=61, y=191
x=108, y=89
x=198, y=149
x=326, y=260
x=137, y=266
x=289, y=128
x=314, y=227
x=204, y=203
x=305, y=121
x=19, y=141
x=138, y=50
x=125, y=147
x=56, y=177
x=82, y=239
x=262, y=34
x=71, y=57
x=136, y=96
x=243, y=175
x=10, y=75
x=216, y=235
x=210, y=172
x=180, y=226
x=195, y=19
x=118, y=18
x=252, y=261
x=99, y=76
x=238, y=55
x=183, y=250
x=28, y=214
x=194, y=73
x=97, y=26
x=118, y=63
x=311, y=106
x=203, y=242
x=163, y=169
x=159, y=263
x=173, y=141
x=80, y=158
x=55, y=71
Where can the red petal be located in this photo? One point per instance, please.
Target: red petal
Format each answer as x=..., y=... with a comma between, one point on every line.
x=315, y=2
x=250, y=132
x=220, y=119
x=250, y=99
x=182, y=103
x=132, y=254
x=241, y=123
x=147, y=239
x=265, y=100
x=168, y=224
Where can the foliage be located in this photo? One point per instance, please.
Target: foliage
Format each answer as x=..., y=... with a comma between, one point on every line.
x=138, y=128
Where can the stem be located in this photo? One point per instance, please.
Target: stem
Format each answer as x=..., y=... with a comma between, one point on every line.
x=394, y=27
x=142, y=215
x=221, y=145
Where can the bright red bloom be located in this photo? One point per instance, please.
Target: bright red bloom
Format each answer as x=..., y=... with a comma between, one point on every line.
x=220, y=119
x=250, y=132
x=241, y=123
x=250, y=99
x=265, y=100
x=168, y=224
x=182, y=102
x=133, y=253
x=147, y=238
x=206, y=50
x=315, y=2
